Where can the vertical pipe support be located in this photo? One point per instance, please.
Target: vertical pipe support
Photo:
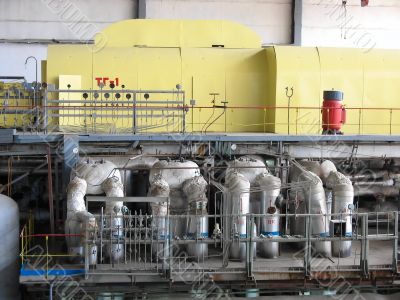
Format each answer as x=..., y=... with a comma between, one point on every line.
x=395, y=242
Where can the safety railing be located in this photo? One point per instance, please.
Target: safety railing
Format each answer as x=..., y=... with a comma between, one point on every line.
x=111, y=112
x=38, y=260
x=178, y=250
x=114, y=111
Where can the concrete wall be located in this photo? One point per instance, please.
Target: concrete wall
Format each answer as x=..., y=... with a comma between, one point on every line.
x=61, y=20
x=272, y=19
x=326, y=23
x=13, y=56
x=46, y=21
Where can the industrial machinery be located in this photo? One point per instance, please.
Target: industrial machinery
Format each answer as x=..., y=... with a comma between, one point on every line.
x=131, y=184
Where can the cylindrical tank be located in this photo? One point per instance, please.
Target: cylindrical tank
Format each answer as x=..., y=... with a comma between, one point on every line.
x=9, y=245
x=238, y=203
x=333, y=112
x=270, y=225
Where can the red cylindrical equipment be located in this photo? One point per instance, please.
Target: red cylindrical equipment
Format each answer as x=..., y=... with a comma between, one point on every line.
x=333, y=112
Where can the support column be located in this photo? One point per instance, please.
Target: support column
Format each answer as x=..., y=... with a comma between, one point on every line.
x=71, y=156
x=142, y=9
x=298, y=21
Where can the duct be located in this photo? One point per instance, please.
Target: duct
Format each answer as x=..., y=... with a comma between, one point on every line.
x=95, y=173
x=160, y=223
x=270, y=224
x=327, y=167
x=314, y=194
x=195, y=191
x=175, y=173
x=343, y=196
x=128, y=164
x=113, y=188
x=237, y=203
x=249, y=166
x=297, y=170
x=78, y=218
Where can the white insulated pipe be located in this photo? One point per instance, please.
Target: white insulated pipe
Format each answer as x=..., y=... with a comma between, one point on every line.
x=94, y=177
x=314, y=197
x=238, y=203
x=270, y=224
x=343, y=196
x=159, y=210
x=175, y=173
x=78, y=218
x=113, y=187
x=195, y=191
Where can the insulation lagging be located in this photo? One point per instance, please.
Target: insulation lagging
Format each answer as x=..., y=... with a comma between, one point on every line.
x=94, y=178
x=186, y=192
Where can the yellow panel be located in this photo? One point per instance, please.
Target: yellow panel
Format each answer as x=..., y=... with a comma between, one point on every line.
x=68, y=119
x=382, y=82
x=138, y=69
x=270, y=85
x=298, y=68
x=206, y=69
x=245, y=77
x=177, y=33
x=70, y=60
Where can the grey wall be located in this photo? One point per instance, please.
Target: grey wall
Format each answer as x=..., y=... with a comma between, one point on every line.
x=27, y=26
x=61, y=19
x=271, y=19
x=326, y=23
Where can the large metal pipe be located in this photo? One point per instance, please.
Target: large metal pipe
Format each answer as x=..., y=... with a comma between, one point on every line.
x=195, y=190
x=270, y=224
x=175, y=173
x=160, y=224
x=103, y=177
x=316, y=204
x=113, y=187
x=343, y=196
x=78, y=218
x=237, y=203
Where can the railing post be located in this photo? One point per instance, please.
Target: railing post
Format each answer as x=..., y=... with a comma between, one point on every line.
x=250, y=250
x=307, y=248
x=364, y=247
x=134, y=114
x=86, y=249
x=45, y=114
x=390, y=124
x=359, y=121
x=47, y=256
x=395, y=241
